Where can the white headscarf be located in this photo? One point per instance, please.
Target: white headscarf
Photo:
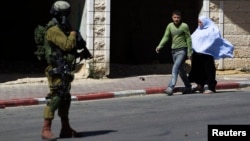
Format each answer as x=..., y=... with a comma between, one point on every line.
x=207, y=39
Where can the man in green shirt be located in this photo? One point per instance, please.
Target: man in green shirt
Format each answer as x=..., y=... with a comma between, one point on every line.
x=181, y=49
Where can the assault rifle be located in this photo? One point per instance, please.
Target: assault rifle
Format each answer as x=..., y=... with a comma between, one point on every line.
x=64, y=70
x=81, y=45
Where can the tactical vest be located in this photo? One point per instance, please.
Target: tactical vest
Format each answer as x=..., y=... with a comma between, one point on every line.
x=55, y=56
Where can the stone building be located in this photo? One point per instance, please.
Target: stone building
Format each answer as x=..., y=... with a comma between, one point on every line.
x=122, y=32
x=233, y=20
x=231, y=17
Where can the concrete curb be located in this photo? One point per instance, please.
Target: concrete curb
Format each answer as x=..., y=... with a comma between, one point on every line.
x=117, y=94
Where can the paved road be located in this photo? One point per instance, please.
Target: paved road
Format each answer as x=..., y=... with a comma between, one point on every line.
x=138, y=118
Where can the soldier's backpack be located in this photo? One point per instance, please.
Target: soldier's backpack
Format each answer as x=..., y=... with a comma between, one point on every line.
x=42, y=46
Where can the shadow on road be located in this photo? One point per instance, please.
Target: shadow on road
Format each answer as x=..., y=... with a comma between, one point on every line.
x=93, y=133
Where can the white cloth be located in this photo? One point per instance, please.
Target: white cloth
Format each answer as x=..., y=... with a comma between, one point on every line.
x=207, y=40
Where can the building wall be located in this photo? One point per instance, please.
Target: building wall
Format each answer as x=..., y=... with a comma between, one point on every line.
x=98, y=37
x=95, y=26
x=235, y=29
x=231, y=16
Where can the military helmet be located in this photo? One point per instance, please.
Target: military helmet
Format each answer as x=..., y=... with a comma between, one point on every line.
x=60, y=8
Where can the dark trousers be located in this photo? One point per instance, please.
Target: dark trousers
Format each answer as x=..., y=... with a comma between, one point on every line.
x=203, y=70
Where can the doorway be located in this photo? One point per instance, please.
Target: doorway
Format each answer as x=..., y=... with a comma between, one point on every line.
x=137, y=27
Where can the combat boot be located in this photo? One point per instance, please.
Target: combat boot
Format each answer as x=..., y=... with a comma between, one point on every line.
x=46, y=130
x=66, y=130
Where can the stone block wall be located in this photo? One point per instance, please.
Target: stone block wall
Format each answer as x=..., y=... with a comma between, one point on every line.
x=98, y=24
x=98, y=64
x=236, y=29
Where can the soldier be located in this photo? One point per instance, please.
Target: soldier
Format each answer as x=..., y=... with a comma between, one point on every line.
x=61, y=62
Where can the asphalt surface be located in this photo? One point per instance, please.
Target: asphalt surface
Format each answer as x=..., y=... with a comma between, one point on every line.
x=23, y=90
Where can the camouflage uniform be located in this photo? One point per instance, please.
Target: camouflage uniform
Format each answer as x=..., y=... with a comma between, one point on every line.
x=59, y=75
x=61, y=57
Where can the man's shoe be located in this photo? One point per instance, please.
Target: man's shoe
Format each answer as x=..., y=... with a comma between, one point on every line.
x=168, y=92
x=208, y=92
x=199, y=89
x=66, y=130
x=46, y=131
x=68, y=133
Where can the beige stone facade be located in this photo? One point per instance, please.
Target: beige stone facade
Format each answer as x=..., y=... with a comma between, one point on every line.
x=96, y=25
x=232, y=16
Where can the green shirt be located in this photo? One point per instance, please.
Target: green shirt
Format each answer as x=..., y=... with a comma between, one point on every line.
x=180, y=37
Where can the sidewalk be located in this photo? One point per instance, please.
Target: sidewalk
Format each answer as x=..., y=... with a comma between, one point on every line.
x=27, y=91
